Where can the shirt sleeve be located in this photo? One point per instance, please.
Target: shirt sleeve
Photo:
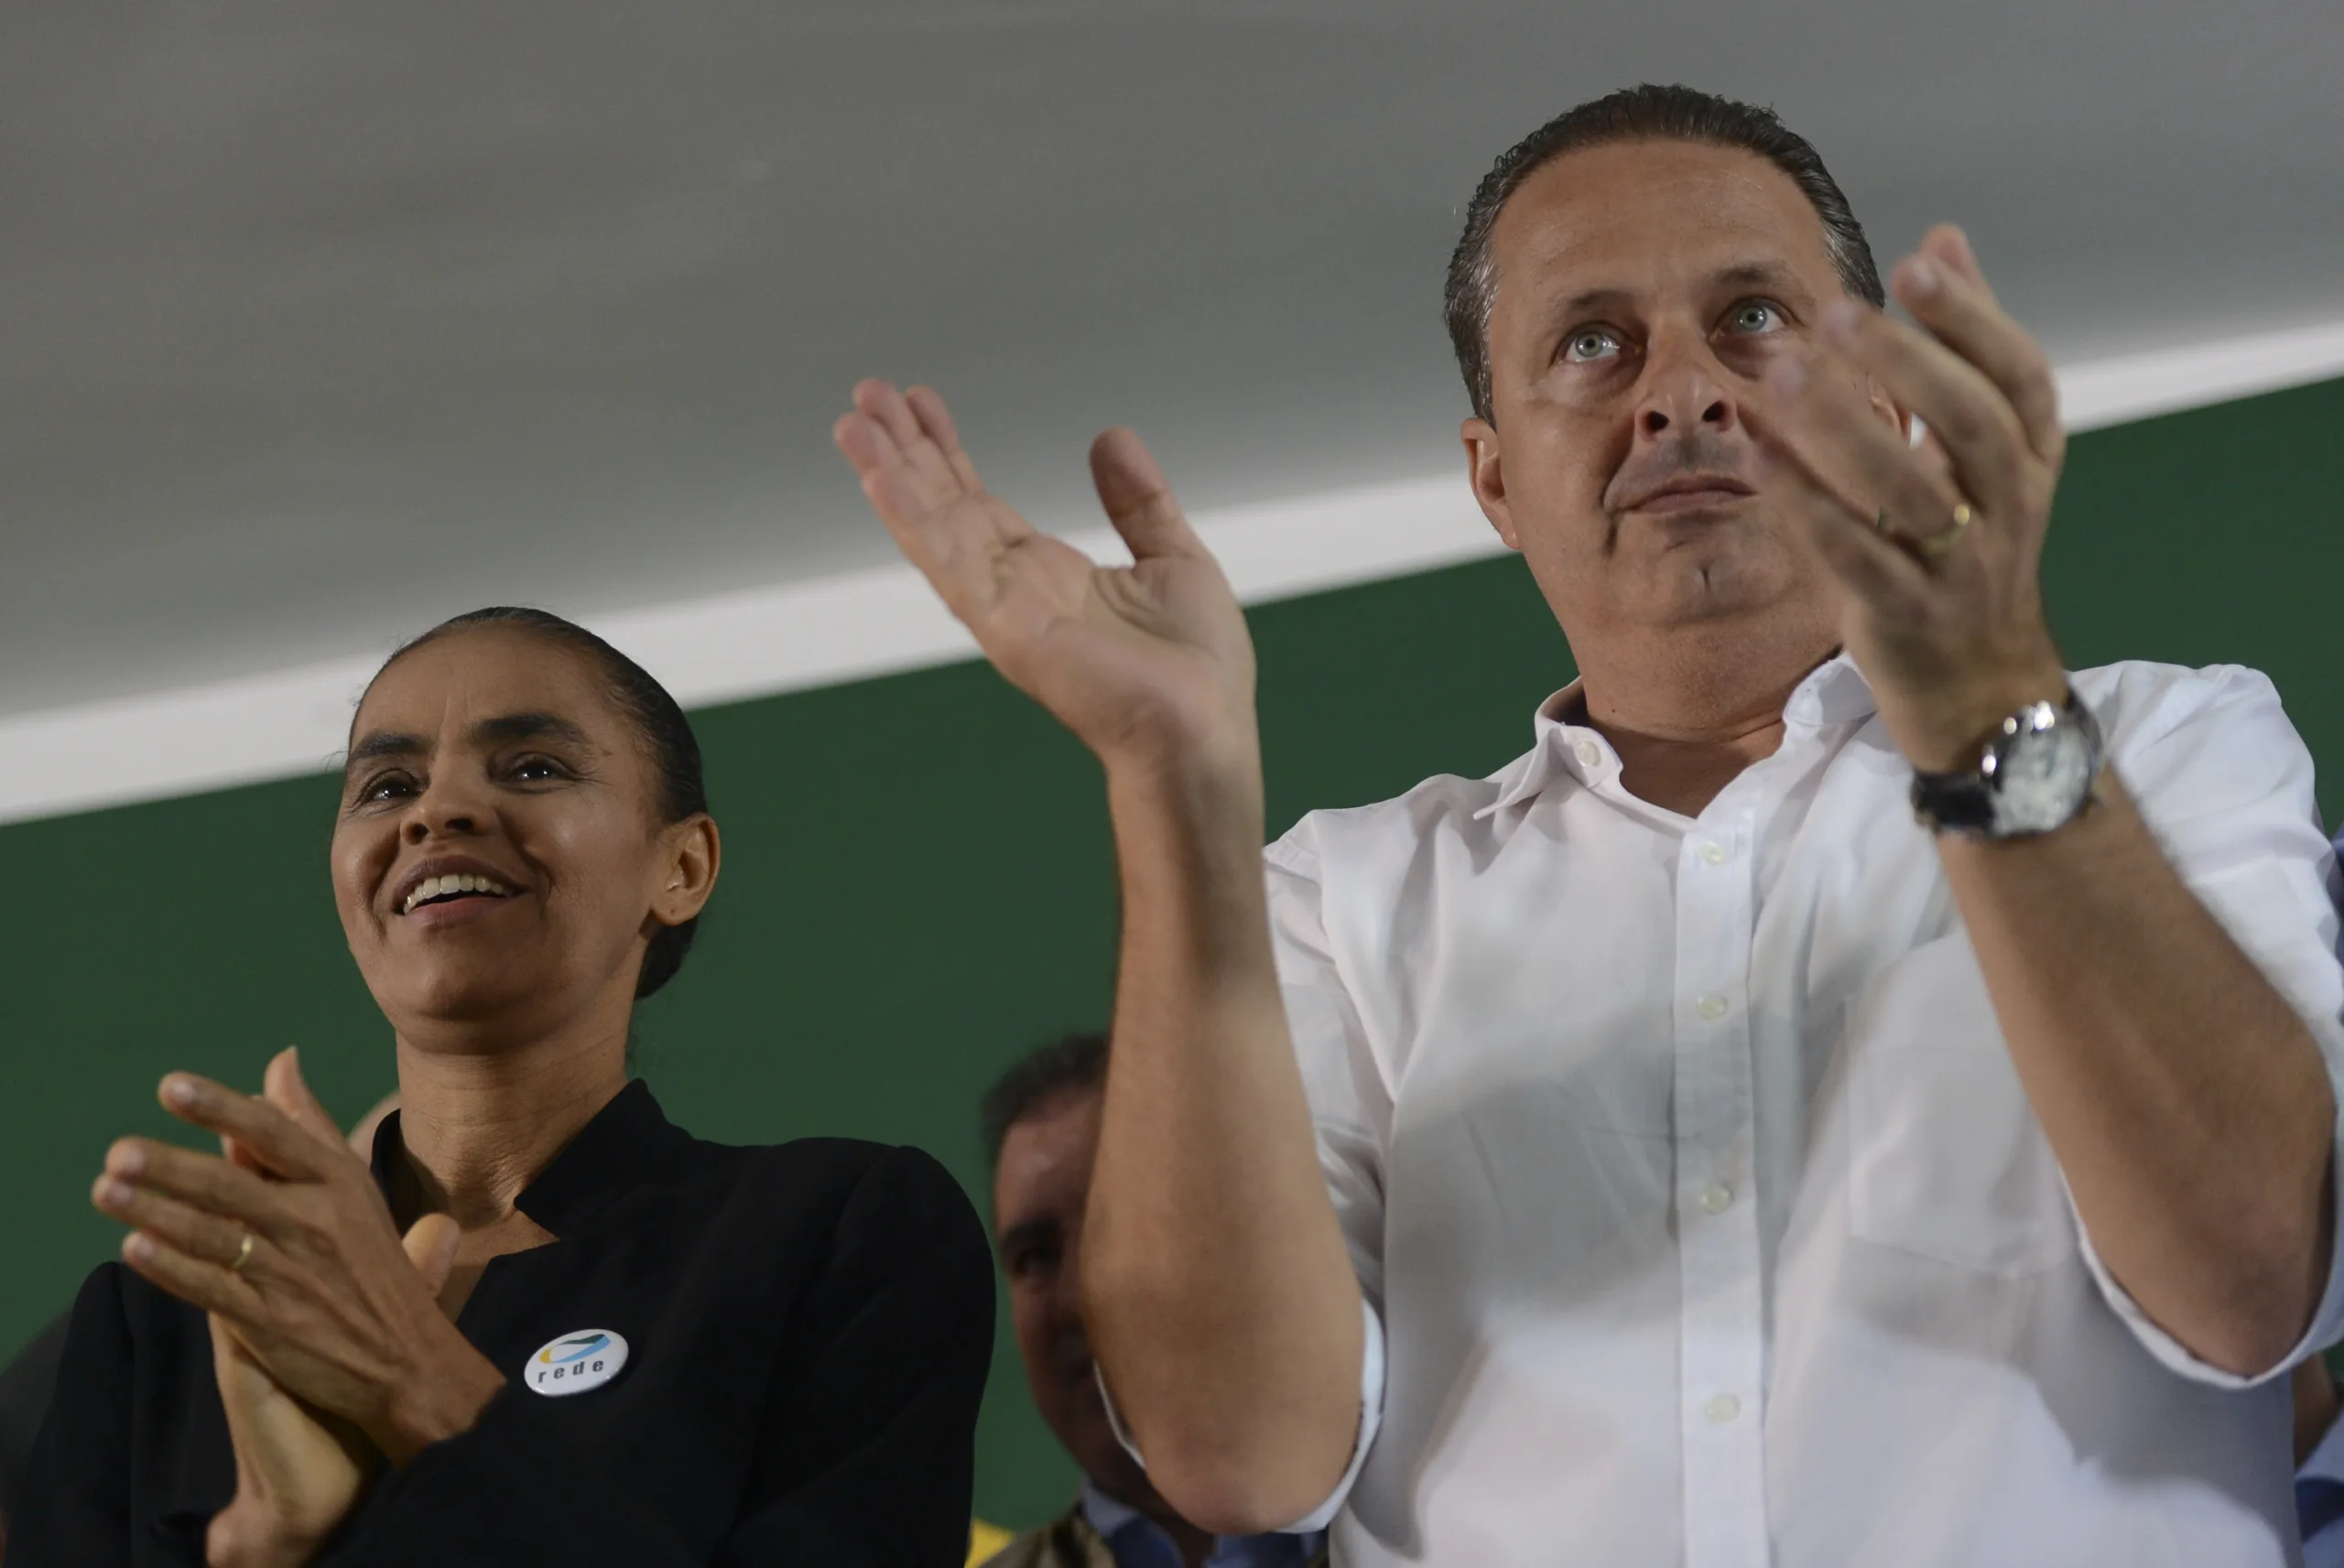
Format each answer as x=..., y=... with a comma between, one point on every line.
x=2225, y=784
x=868, y=1457
x=76, y=1505
x=1350, y=1110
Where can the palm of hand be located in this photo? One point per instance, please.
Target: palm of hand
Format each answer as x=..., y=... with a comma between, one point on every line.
x=299, y=1471
x=1140, y=659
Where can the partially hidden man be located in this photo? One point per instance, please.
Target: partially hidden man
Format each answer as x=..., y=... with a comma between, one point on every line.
x=1854, y=1092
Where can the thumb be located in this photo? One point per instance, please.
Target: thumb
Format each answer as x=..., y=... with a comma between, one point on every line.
x=1138, y=500
x=430, y=1246
x=283, y=1087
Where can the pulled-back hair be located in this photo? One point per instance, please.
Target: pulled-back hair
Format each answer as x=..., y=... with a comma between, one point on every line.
x=1074, y=1061
x=1637, y=115
x=666, y=735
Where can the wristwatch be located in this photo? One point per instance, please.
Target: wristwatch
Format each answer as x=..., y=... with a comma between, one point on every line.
x=2033, y=774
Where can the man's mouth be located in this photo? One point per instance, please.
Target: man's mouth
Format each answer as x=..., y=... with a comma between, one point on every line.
x=452, y=886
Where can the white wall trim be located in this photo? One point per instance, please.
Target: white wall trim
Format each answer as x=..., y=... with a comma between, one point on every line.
x=758, y=641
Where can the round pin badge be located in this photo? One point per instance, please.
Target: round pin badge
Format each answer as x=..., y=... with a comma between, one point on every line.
x=577, y=1362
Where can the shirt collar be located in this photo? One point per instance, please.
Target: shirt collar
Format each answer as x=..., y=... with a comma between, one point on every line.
x=627, y=1144
x=1834, y=692
x=1106, y=1515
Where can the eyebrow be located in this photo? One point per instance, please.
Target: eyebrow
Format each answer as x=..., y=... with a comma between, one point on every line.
x=504, y=729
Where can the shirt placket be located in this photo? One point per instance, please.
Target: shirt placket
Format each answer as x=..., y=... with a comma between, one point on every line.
x=1721, y=1349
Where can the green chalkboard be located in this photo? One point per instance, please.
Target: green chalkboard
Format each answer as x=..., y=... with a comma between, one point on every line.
x=918, y=884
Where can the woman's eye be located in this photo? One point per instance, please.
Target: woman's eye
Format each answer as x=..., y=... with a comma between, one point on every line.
x=389, y=786
x=1589, y=343
x=1756, y=316
x=537, y=770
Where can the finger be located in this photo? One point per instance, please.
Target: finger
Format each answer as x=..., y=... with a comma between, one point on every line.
x=1961, y=312
x=284, y=1086
x=1871, y=566
x=1812, y=418
x=1139, y=502
x=1976, y=424
x=923, y=458
x=200, y=1284
x=1949, y=245
x=196, y=1232
x=432, y=1244
x=261, y=1127
x=204, y=1181
x=936, y=421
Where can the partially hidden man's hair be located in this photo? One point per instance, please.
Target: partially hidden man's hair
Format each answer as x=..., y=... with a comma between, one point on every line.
x=1073, y=1062
x=667, y=736
x=1644, y=113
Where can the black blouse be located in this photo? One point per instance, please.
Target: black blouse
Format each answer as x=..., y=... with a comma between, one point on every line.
x=807, y=1330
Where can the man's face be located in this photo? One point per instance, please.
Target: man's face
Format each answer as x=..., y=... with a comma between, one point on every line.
x=1039, y=1189
x=1642, y=290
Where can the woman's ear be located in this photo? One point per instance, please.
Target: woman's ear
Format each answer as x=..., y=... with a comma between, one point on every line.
x=688, y=869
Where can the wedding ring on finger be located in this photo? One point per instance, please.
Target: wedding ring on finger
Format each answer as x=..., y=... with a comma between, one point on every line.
x=244, y=1255
x=1935, y=547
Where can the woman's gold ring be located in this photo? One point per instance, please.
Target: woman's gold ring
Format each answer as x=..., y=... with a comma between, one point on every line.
x=244, y=1255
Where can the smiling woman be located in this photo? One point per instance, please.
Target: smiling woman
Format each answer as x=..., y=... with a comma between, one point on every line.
x=546, y=1325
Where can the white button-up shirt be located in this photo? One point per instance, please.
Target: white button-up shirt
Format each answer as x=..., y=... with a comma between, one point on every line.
x=1686, y=1170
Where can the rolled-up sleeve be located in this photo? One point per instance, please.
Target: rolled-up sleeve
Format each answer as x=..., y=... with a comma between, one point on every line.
x=2225, y=784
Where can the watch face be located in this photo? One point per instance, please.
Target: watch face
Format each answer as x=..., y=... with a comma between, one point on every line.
x=2041, y=778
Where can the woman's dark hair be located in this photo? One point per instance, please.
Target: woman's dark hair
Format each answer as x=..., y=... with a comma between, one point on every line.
x=1644, y=113
x=666, y=733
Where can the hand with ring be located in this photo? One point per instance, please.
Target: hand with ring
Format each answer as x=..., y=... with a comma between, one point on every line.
x=1938, y=553
x=330, y=1347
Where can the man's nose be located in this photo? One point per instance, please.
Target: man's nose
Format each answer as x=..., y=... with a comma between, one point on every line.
x=1684, y=389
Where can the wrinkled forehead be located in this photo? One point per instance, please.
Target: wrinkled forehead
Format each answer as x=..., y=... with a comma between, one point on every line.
x=1652, y=220
x=458, y=685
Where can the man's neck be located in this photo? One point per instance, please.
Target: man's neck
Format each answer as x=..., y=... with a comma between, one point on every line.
x=1685, y=729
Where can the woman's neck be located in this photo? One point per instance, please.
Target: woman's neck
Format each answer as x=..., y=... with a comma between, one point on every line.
x=478, y=1127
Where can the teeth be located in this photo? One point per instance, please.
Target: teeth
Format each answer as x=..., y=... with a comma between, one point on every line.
x=459, y=882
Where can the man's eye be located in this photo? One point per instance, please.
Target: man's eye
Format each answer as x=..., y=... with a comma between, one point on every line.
x=1756, y=316
x=1591, y=343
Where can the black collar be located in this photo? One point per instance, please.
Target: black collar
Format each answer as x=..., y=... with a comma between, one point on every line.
x=629, y=1143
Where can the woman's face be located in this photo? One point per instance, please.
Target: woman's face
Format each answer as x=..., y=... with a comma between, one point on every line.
x=498, y=858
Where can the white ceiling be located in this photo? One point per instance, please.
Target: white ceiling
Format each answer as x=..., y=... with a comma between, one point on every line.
x=320, y=322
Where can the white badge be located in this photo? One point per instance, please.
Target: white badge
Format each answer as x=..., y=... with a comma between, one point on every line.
x=577, y=1362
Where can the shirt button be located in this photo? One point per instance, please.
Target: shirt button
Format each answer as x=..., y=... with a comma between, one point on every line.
x=1590, y=754
x=1721, y=1408
x=1718, y=1198
x=1713, y=853
x=1710, y=1006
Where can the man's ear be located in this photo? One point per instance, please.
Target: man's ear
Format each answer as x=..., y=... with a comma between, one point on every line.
x=1485, y=467
x=694, y=852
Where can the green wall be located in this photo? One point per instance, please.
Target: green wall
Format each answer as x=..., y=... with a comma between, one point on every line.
x=917, y=884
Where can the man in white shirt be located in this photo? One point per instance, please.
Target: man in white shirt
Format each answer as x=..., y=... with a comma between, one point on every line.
x=1669, y=1150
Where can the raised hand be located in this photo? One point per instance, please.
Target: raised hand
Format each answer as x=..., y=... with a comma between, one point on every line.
x=299, y=1471
x=1149, y=664
x=1941, y=559
x=287, y=1241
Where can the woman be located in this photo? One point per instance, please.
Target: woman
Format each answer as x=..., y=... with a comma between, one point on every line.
x=600, y=1340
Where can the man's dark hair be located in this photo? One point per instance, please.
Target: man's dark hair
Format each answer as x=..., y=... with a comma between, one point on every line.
x=659, y=722
x=1075, y=1061
x=1637, y=115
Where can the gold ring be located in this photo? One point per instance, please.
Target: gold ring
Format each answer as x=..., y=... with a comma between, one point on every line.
x=1936, y=544
x=244, y=1255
